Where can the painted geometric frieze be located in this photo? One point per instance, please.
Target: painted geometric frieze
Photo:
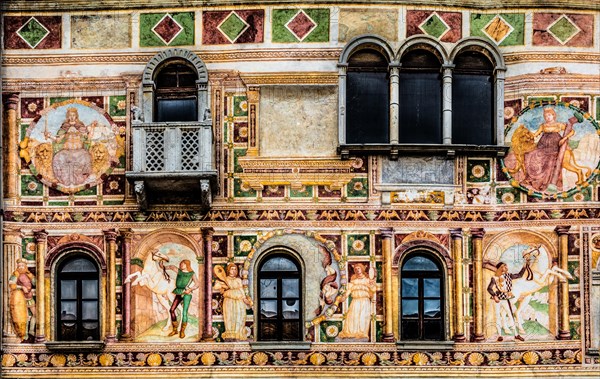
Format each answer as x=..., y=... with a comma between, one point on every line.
x=85, y=30
x=72, y=146
x=521, y=278
x=556, y=29
x=358, y=21
x=445, y=26
x=505, y=29
x=164, y=283
x=32, y=32
x=166, y=29
x=238, y=26
x=554, y=150
x=300, y=25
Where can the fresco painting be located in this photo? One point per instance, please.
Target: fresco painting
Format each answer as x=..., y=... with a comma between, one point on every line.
x=72, y=146
x=520, y=277
x=164, y=286
x=554, y=150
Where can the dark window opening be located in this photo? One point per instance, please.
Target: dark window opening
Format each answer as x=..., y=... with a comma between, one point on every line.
x=473, y=99
x=176, y=93
x=367, y=98
x=420, y=100
x=279, y=294
x=78, y=307
x=421, y=299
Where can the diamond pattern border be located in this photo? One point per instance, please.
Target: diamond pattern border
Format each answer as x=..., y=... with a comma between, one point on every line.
x=28, y=24
x=301, y=12
x=226, y=22
x=161, y=21
x=423, y=26
x=561, y=19
x=497, y=20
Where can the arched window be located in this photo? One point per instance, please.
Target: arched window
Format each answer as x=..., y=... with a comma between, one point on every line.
x=176, y=96
x=77, y=294
x=367, y=97
x=421, y=298
x=279, y=299
x=473, y=99
x=420, y=100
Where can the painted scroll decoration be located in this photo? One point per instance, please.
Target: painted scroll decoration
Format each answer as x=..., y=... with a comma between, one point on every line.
x=72, y=146
x=554, y=150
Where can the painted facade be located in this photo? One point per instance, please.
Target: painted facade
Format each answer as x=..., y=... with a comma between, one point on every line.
x=132, y=246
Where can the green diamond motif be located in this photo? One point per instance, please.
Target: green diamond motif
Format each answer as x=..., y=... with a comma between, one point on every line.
x=33, y=32
x=233, y=26
x=563, y=29
x=434, y=26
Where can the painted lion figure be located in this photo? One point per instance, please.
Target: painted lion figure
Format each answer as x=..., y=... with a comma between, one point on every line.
x=522, y=142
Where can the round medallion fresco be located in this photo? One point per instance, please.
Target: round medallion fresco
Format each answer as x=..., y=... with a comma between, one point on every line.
x=72, y=146
x=554, y=150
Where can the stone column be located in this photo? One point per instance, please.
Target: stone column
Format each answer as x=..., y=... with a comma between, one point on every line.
x=111, y=288
x=253, y=99
x=386, y=245
x=394, y=102
x=477, y=245
x=207, y=234
x=12, y=251
x=447, y=104
x=12, y=154
x=499, y=105
x=457, y=255
x=127, y=235
x=342, y=69
x=564, y=330
x=41, y=244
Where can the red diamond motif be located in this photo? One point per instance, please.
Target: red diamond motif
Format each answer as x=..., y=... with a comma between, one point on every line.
x=167, y=29
x=301, y=25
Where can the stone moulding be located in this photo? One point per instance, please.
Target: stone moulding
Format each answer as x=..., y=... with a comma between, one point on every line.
x=261, y=172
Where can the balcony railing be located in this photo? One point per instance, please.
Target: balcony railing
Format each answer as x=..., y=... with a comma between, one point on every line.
x=172, y=147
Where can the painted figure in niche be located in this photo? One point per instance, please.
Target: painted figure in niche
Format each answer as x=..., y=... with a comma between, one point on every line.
x=235, y=302
x=552, y=149
x=520, y=292
x=500, y=288
x=155, y=277
x=362, y=289
x=22, y=304
x=185, y=283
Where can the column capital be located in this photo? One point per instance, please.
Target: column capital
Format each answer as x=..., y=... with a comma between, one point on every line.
x=40, y=236
x=562, y=230
x=127, y=234
x=456, y=233
x=12, y=235
x=12, y=101
x=387, y=232
x=477, y=232
x=207, y=232
x=110, y=234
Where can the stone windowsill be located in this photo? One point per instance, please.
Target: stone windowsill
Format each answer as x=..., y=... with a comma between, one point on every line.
x=425, y=345
x=70, y=346
x=280, y=345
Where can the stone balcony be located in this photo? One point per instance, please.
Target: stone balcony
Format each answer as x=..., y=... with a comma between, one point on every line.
x=173, y=163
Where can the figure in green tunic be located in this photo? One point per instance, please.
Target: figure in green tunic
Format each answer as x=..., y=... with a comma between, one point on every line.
x=185, y=283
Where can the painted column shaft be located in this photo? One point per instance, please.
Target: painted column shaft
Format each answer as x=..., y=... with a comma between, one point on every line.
x=111, y=333
x=388, y=333
x=394, y=103
x=12, y=251
x=207, y=238
x=477, y=236
x=41, y=239
x=564, y=330
x=12, y=155
x=447, y=105
x=457, y=249
x=127, y=236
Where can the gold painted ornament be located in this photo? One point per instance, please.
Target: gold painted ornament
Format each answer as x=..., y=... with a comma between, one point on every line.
x=58, y=360
x=317, y=359
x=8, y=360
x=106, y=359
x=260, y=358
x=475, y=359
x=420, y=359
x=154, y=359
x=208, y=359
x=531, y=358
x=369, y=359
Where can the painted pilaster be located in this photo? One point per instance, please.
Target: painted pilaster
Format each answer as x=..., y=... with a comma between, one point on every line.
x=499, y=106
x=386, y=245
x=111, y=290
x=476, y=240
x=447, y=104
x=12, y=155
x=342, y=69
x=207, y=234
x=41, y=245
x=564, y=331
x=11, y=252
x=127, y=235
x=457, y=251
x=253, y=100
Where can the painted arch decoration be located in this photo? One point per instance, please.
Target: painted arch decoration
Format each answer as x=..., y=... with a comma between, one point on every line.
x=72, y=146
x=554, y=150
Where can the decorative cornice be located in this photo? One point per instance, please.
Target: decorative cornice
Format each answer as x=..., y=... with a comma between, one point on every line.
x=70, y=5
x=144, y=58
x=65, y=84
x=568, y=56
x=517, y=85
x=322, y=78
